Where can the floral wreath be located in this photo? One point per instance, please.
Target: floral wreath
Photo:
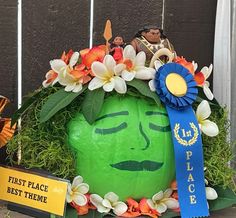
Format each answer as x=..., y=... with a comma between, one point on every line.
x=92, y=72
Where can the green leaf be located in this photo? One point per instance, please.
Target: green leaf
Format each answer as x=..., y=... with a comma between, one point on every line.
x=226, y=198
x=71, y=212
x=92, y=214
x=24, y=107
x=56, y=102
x=170, y=214
x=143, y=88
x=92, y=104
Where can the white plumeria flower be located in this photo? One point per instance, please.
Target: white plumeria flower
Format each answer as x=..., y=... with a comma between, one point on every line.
x=211, y=193
x=51, y=79
x=65, y=78
x=205, y=73
x=151, y=84
x=110, y=202
x=107, y=76
x=207, y=127
x=162, y=201
x=133, y=66
x=76, y=192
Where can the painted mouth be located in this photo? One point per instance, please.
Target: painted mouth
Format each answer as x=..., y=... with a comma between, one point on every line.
x=132, y=165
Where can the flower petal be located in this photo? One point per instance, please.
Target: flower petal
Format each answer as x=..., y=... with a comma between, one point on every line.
x=161, y=208
x=99, y=69
x=151, y=85
x=119, y=68
x=129, y=52
x=106, y=203
x=76, y=181
x=68, y=198
x=78, y=88
x=120, y=85
x=203, y=111
x=151, y=204
x=144, y=73
x=167, y=193
x=95, y=83
x=108, y=87
x=58, y=65
x=171, y=203
x=83, y=188
x=128, y=76
x=211, y=194
x=112, y=197
x=70, y=87
x=157, y=65
x=79, y=199
x=73, y=60
x=120, y=208
x=158, y=196
x=140, y=59
x=109, y=62
x=208, y=92
x=96, y=199
x=209, y=128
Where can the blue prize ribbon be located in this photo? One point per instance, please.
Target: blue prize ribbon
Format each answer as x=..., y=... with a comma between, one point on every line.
x=187, y=141
x=189, y=162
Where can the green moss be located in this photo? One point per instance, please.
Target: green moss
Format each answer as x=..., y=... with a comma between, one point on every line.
x=43, y=145
x=218, y=152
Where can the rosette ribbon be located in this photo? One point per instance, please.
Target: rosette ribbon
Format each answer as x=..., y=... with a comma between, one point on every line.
x=177, y=89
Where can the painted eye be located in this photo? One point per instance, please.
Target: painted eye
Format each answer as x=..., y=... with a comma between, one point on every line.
x=159, y=128
x=111, y=130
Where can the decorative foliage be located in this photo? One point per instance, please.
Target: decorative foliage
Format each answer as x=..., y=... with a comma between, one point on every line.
x=81, y=81
x=56, y=102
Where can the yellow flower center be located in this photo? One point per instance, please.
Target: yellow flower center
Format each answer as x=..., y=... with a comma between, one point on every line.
x=129, y=64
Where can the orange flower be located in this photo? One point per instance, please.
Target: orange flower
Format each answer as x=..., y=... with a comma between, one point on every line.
x=82, y=210
x=66, y=57
x=173, y=185
x=182, y=61
x=94, y=54
x=133, y=209
x=80, y=73
x=146, y=210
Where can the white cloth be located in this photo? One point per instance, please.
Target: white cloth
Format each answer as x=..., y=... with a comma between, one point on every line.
x=224, y=78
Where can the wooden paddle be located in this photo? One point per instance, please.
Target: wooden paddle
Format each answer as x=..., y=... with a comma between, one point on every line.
x=107, y=34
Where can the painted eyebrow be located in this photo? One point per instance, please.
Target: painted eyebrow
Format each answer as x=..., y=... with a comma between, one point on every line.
x=120, y=113
x=150, y=113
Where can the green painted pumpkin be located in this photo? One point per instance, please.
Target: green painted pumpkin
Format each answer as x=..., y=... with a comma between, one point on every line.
x=128, y=150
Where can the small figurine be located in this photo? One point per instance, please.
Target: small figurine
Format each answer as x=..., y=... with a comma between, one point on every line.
x=150, y=39
x=116, y=48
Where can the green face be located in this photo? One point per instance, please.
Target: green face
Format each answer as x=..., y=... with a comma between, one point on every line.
x=128, y=150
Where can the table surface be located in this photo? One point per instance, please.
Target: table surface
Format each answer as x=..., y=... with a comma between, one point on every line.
x=226, y=213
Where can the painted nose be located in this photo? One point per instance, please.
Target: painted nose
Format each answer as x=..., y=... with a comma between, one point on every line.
x=145, y=137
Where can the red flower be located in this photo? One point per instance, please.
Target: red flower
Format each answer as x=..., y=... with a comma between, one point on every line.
x=133, y=209
x=66, y=57
x=146, y=210
x=182, y=61
x=94, y=54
